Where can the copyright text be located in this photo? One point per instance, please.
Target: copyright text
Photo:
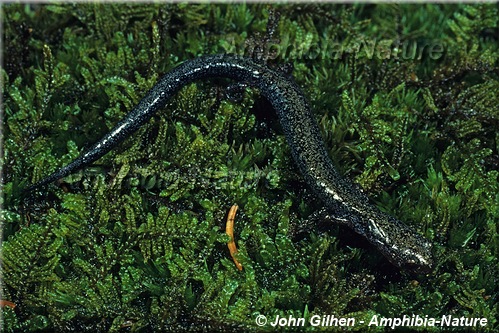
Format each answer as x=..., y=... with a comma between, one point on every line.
x=376, y=320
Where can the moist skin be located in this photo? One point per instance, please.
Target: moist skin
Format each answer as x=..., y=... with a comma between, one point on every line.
x=343, y=201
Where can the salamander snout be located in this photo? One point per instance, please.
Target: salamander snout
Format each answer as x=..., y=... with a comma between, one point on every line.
x=402, y=246
x=410, y=251
x=419, y=262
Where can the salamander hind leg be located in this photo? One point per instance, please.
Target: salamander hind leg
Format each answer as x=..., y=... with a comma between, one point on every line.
x=235, y=92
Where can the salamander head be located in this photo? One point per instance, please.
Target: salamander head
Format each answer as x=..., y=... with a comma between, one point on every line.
x=401, y=245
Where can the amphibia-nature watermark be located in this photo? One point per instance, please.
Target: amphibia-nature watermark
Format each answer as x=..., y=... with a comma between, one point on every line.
x=361, y=48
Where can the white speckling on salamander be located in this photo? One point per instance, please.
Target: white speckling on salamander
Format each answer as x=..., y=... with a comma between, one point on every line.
x=400, y=244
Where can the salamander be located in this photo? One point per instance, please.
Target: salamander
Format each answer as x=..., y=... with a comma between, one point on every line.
x=344, y=202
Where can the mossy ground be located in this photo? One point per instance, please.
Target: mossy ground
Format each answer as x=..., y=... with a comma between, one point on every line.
x=136, y=243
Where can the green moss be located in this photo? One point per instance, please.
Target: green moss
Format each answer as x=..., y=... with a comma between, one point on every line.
x=137, y=242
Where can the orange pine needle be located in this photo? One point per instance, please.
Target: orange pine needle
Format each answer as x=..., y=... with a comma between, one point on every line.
x=229, y=230
x=7, y=303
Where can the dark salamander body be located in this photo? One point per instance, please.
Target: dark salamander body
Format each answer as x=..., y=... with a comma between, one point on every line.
x=400, y=244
